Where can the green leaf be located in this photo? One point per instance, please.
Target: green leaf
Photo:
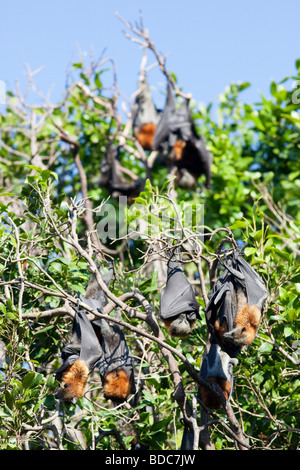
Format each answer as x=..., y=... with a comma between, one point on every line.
x=98, y=82
x=8, y=399
x=2, y=308
x=43, y=330
x=265, y=348
x=7, y=194
x=288, y=331
x=238, y=224
x=148, y=396
x=250, y=251
x=46, y=175
x=28, y=379
x=273, y=89
x=36, y=168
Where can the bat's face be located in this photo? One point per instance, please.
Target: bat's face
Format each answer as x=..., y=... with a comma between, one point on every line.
x=73, y=382
x=179, y=326
x=246, y=324
x=241, y=336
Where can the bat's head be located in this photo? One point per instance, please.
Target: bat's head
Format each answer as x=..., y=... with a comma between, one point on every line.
x=246, y=325
x=179, y=326
x=241, y=336
x=73, y=382
x=186, y=180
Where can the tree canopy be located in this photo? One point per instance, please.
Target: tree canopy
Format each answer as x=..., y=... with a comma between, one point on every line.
x=55, y=216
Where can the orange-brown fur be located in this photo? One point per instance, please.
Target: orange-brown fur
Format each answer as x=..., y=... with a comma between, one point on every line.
x=73, y=381
x=186, y=156
x=246, y=324
x=247, y=320
x=145, y=135
x=209, y=399
x=220, y=329
x=178, y=149
x=117, y=385
x=180, y=331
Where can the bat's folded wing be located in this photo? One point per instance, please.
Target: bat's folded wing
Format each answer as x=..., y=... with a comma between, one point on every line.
x=144, y=110
x=84, y=344
x=116, y=353
x=162, y=131
x=217, y=364
x=91, y=350
x=256, y=290
x=178, y=296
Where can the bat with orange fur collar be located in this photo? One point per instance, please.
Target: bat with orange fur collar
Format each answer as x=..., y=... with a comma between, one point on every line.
x=234, y=310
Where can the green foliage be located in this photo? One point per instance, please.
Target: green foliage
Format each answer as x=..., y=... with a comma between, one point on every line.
x=254, y=192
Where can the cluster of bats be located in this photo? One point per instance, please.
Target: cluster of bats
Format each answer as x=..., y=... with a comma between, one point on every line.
x=232, y=314
x=172, y=133
x=235, y=303
x=96, y=344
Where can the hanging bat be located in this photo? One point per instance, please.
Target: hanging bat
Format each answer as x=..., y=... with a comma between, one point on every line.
x=116, y=364
x=216, y=366
x=145, y=115
x=95, y=344
x=113, y=176
x=80, y=357
x=178, y=305
x=177, y=138
x=234, y=310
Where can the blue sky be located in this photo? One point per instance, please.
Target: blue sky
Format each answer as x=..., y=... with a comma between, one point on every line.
x=209, y=44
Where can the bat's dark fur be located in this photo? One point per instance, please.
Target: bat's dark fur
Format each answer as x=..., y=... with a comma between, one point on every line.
x=145, y=115
x=208, y=398
x=188, y=164
x=112, y=177
x=178, y=305
x=180, y=144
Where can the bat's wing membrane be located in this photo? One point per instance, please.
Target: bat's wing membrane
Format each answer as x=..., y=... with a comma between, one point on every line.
x=178, y=296
x=256, y=290
x=116, y=353
x=84, y=344
x=162, y=131
x=237, y=274
x=144, y=111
